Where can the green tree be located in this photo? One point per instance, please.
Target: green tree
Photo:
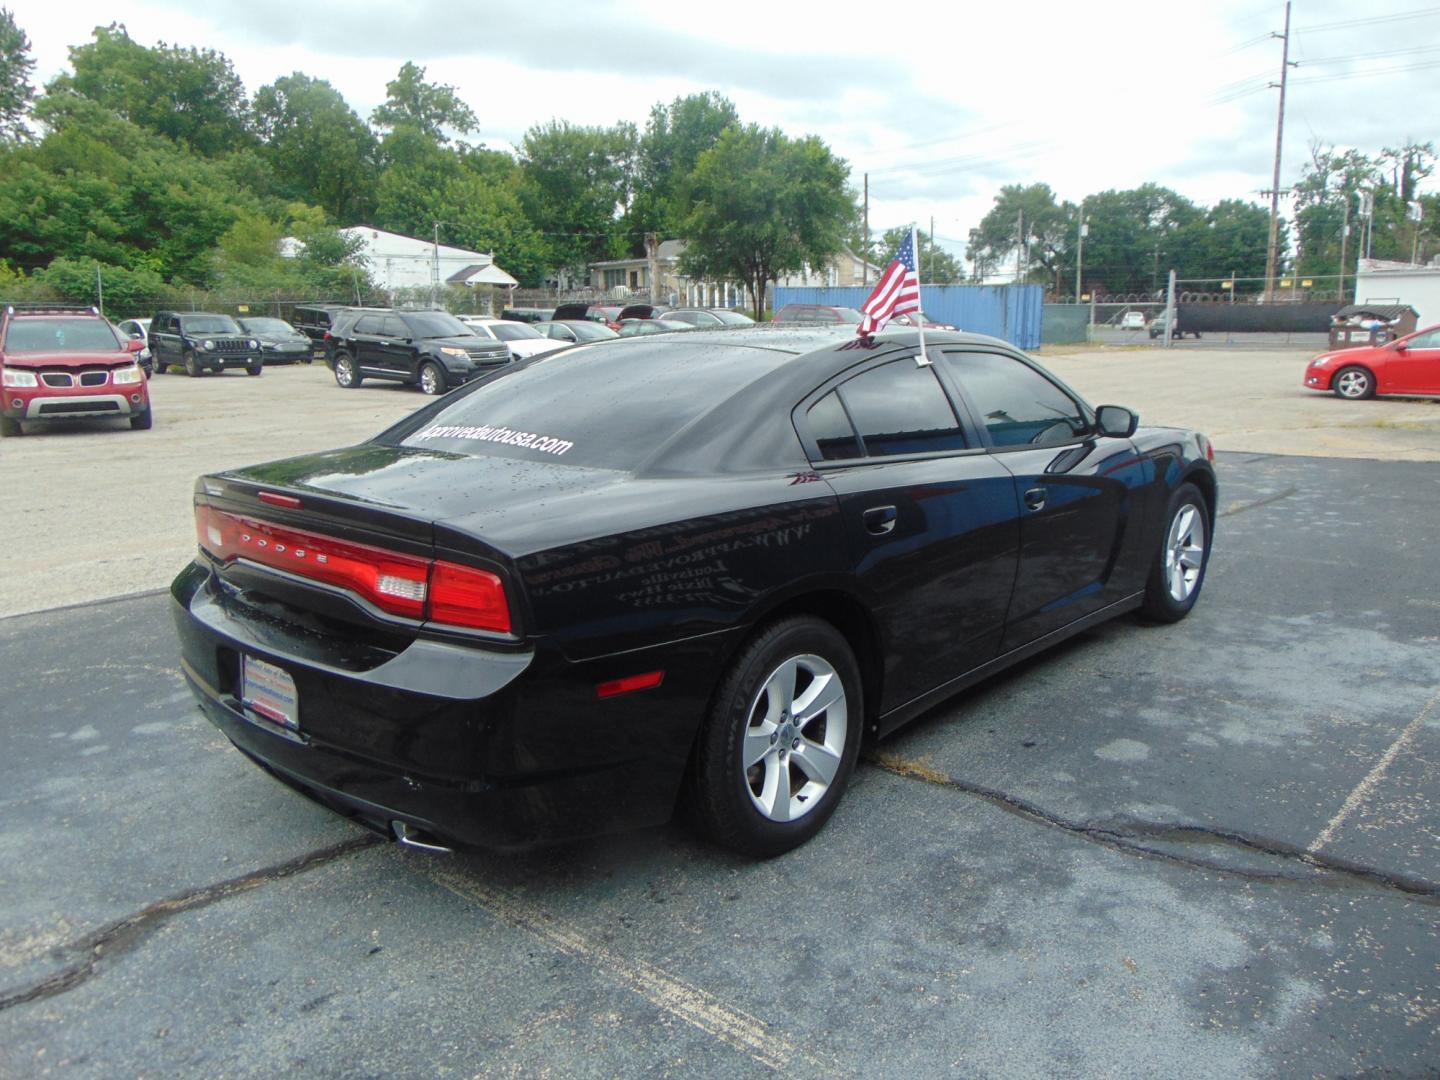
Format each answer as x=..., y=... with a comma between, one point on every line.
x=1026, y=219
x=675, y=137
x=320, y=150
x=937, y=266
x=82, y=281
x=432, y=108
x=16, y=66
x=765, y=205
x=576, y=180
x=189, y=95
x=1136, y=236
x=98, y=186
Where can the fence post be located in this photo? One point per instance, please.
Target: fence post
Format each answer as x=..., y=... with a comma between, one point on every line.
x=1170, y=311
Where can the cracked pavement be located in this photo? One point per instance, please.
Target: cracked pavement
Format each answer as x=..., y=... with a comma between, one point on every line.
x=1210, y=849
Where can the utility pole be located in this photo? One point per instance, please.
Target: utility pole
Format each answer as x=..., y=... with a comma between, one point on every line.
x=1273, y=246
x=932, y=247
x=435, y=277
x=1344, y=237
x=1080, y=253
x=1019, y=243
x=865, y=255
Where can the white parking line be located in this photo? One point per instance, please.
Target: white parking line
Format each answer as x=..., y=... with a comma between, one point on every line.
x=1363, y=789
x=699, y=1008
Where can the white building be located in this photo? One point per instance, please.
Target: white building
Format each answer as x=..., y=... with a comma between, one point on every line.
x=1380, y=282
x=403, y=262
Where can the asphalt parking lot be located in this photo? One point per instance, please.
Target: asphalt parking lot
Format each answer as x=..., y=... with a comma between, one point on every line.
x=1209, y=849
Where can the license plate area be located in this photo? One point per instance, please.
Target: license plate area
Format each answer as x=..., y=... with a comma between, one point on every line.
x=269, y=692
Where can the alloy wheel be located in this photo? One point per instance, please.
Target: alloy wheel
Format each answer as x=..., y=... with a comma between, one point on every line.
x=1352, y=383
x=1184, y=552
x=795, y=738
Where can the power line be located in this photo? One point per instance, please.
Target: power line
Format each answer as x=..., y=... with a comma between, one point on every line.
x=1369, y=20
x=1368, y=73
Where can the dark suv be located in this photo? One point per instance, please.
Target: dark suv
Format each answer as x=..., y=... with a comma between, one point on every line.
x=202, y=341
x=429, y=349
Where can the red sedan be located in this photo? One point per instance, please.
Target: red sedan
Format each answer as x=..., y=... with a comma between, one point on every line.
x=1408, y=365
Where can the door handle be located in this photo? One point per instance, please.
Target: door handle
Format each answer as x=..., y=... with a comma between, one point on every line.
x=880, y=520
x=1035, y=499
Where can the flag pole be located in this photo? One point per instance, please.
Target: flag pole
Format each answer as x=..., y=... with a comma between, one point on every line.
x=921, y=360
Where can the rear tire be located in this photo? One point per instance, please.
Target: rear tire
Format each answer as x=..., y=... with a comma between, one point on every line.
x=781, y=739
x=347, y=376
x=1179, y=569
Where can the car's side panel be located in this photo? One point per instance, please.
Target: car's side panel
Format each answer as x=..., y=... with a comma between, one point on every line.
x=935, y=543
x=1412, y=370
x=1079, y=510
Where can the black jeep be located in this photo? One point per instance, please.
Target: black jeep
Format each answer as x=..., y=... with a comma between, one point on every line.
x=429, y=349
x=202, y=341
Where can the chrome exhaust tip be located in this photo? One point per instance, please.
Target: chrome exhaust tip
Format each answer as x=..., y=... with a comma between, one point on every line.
x=411, y=837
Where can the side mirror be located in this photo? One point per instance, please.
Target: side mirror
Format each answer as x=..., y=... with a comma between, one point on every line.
x=1116, y=421
x=1400, y=347
x=134, y=345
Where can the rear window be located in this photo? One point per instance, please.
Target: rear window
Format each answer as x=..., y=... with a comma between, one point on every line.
x=433, y=324
x=513, y=331
x=60, y=335
x=607, y=406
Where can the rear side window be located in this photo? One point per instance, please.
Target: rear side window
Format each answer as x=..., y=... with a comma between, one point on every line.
x=369, y=324
x=608, y=406
x=899, y=408
x=1017, y=405
x=831, y=430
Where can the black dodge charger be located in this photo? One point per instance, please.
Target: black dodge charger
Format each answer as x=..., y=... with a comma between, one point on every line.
x=697, y=569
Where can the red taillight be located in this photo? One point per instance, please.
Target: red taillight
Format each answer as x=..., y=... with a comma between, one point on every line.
x=616, y=687
x=463, y=596
x=405, y=585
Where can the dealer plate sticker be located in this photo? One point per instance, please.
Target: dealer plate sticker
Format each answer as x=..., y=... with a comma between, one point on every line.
x=270, y=691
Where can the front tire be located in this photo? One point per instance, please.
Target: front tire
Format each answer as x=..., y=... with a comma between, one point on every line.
x=10, y=428
x=192, y=367
x=781, y=739
x=141, y=421
x=254, y=369
x=347, y=376
x=1353, y=383
x=1179, y=569
x=432, y=379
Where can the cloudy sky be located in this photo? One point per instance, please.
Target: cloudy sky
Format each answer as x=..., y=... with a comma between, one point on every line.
x=941, y=106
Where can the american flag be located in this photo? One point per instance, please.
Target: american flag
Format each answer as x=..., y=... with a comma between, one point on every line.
x=897, y=291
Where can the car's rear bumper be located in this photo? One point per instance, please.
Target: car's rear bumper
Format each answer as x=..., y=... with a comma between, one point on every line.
x=499, y=750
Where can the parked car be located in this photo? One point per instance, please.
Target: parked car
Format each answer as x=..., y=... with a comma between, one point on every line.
x=139, y=330
x=816, y=315
x=527, y=314
x=429, y=349
x=315, y=320
x=731, y=318
x=704, y=318
x=67, y=363
x=910, y=319
x=1157, y=328
x=524, y=339
x=201, y=342
x=638, y=327
x=1407, y=365
x=641, y=311
x=695, y=569
x=1132, y=320
x=573, y=330
x=280, y=343
x=609, y=314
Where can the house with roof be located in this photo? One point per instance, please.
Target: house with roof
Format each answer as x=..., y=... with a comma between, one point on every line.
x=619, y=278
x=397, y=262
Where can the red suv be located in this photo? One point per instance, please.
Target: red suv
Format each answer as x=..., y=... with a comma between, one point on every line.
x=60, y=363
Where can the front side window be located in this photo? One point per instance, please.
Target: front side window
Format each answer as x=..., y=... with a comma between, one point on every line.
x=1425, y=341
x=900, y=408
x=1018, y=405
